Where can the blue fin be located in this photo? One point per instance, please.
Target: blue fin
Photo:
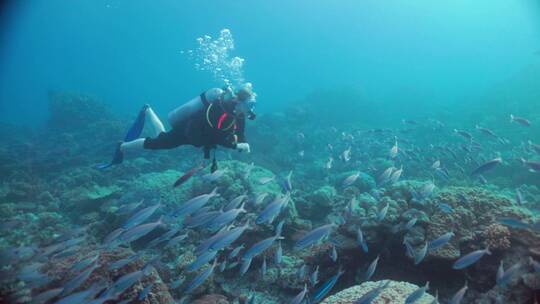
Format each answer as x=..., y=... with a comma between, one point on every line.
x=136, y=128
x=117, y=159
x=133, y=133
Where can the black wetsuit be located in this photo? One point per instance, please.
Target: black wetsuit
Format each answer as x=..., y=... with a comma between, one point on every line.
x=214, y=124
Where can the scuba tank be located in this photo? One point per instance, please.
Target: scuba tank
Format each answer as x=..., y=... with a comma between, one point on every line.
x=183, y=112
x=180, y=114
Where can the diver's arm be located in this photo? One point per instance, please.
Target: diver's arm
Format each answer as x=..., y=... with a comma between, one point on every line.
x=241, y=143
x=240, y=129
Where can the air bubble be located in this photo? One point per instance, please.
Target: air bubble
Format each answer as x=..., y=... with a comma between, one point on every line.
x=213, y=55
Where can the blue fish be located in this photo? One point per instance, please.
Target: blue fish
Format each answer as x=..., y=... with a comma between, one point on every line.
x=320, y=293
x=78, y=280
x=279, y=227
x=228, y=237
x=123, y=262
x=469, y=259
x=245, y=266
x=286, y=183
x=260, y=247
x=225, y=218
x=371, y=268
x=233, y=204
x=369, y=296
x=361, y=240
x=80, y=265
x=45, y=296
x=503, y=277
x=195, y=203
x=314, y=236
x=421, y=254
x=410, y=223
x=200, y=219
x=125, y=282
x=140, y=216
x=440, y=241
x=314, y=277
x=137, y=232
x=512, y=222
x=272, y=210
x=417, y=294
x=202, y=259
x=81, y=296
x=300, y=296
x=381, y=214
x=263, y=267
x=458, y=296
x=535, y=265
x=333, y=254
x=201, y=277
x=489, y=165
x=409, y=250
x=445, y=208
x=177, y=239
x=144, y=293
x=279, y=254
x=235, y=252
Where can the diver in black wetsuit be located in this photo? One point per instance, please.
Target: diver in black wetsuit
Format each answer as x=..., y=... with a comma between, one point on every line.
x=214, y=118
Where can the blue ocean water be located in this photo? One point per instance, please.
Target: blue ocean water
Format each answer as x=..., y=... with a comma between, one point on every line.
x=406, y=55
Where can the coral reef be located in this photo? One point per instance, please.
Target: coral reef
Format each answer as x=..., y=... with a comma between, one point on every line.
x=395, y=292
x=51, y=189
x=497, y=237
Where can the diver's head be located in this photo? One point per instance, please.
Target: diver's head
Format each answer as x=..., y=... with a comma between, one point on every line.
x=246, y=92
x=246, y=99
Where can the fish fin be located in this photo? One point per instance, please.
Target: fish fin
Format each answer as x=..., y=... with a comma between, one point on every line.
x=214, y=192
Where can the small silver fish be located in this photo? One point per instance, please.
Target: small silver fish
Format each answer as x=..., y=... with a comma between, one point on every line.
x=350, y=179
x=314, y=277
x=417, y=294
x=394, y=150
x=382, y=213
x=371, y=268
x=245, y=266
x=420, y=255
x=522, y=121
x=299, y=298
x=265, y=180
x=263, y=267
x=279, y=254
x=411, y=223
x=333, y=254
x=235, y=252
x=458, y=296
x=469, y=259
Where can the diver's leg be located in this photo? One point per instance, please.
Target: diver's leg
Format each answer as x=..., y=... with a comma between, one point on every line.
x=134, y=145
x=155, y=121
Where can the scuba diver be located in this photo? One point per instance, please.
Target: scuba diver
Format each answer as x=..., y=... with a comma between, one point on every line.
x=215, y=117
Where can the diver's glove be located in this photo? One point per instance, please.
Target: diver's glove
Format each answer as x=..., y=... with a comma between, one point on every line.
x=243, y=147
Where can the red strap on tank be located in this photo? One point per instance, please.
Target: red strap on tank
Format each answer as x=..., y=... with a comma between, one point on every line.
x=221, y=119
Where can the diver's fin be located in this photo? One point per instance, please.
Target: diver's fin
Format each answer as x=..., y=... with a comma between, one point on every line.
x=117, y=159
x=136, y=128
x=133, y=133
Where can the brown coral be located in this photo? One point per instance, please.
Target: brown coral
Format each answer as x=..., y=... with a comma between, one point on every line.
x=212, y=299
x=497, y=236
